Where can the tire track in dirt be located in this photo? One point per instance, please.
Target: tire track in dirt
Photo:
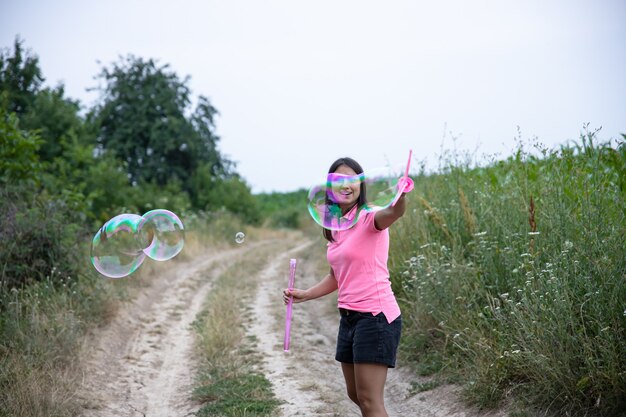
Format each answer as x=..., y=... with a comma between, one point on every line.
x=307, y=379
x=142, y=363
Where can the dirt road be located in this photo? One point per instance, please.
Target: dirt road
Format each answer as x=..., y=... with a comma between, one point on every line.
x=142, y=363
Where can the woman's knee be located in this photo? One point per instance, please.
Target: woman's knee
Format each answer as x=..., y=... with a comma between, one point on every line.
x=369, y=402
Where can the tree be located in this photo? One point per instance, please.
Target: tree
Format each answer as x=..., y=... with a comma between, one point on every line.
x=20, y=78
x=206, y=145
x=142, y=120
x=57, y=121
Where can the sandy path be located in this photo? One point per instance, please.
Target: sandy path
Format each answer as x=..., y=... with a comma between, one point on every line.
x=142, y=363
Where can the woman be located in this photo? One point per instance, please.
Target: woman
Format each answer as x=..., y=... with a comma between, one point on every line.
x=370, y=324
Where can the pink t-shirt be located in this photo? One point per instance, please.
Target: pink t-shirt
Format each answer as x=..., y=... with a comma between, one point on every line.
x=358, y=257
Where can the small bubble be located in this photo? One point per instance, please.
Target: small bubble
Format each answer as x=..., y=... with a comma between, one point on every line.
x=240, y=237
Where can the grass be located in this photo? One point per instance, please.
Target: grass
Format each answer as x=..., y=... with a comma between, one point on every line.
x=42, y=326
x=416, y=387
x=230, y=383
x=512, y=278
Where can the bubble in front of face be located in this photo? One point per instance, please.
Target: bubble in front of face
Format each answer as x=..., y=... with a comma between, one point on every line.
x=162, y=234
x=116, y=249
x=327, y=200
x=240, y=237
x=343, y=189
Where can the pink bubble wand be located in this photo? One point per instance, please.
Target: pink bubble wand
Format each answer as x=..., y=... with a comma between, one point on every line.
x=292, y=277
x=403, y=181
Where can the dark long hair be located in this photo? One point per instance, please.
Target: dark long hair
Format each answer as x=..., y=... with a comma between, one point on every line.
x=356, y=167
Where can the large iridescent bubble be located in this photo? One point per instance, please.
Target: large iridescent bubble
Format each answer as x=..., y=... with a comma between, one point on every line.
x=120, y=246
x=324, y=202
x=162, y=234
x=381, y=191
x=116, y=249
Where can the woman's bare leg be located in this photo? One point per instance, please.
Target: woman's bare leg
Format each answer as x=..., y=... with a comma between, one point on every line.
x=348, y=375
x=369, y=380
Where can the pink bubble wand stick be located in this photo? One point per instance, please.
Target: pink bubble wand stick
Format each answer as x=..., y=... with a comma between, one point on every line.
x=292, y=277
x=403, y=181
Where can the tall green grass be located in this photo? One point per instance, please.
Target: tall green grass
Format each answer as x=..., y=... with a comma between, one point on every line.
x=512, y=278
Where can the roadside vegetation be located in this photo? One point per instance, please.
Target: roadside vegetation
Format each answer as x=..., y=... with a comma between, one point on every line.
x=512, y=278
x=511, y=274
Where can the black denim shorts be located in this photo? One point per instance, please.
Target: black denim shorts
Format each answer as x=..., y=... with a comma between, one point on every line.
x=365, y=338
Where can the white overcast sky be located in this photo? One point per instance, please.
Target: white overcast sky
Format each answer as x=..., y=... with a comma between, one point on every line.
x=301, y=83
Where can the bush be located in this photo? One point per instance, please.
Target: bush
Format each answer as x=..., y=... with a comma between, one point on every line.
x=37, y=235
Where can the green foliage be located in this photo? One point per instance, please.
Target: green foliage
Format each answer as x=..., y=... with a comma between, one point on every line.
x=205, y=145
x=234, y=195
x=147, y=154
x=94, y=187
x=283, y=209
x=56, y=120
x=150, y=196
x=20, y=78
x=142, y=121
x=515, y=275
x=18, y=151
x=37, y=235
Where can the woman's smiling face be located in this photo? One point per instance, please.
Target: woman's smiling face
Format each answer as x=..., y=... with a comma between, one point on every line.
x=346, y=186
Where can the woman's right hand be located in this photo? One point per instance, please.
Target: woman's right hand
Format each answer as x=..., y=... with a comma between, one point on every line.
x=298, y=295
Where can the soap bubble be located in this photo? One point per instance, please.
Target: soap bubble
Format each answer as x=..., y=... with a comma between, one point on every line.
x=122, y=244
x=116, y=249
x=382, y=186
x=325, y=210
x=381, y=189
x=240, y=237
x=162, y=234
